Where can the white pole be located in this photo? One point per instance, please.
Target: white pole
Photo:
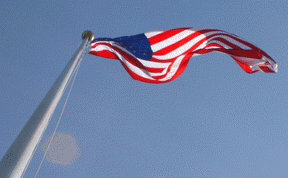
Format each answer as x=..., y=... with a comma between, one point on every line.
x=16, y=160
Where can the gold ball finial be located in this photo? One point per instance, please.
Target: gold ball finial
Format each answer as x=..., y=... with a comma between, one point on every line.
x=88, y=34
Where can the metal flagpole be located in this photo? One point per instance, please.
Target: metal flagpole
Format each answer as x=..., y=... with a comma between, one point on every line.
x=16, y=160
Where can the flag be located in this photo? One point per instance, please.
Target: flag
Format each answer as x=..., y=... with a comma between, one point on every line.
x=161, y=56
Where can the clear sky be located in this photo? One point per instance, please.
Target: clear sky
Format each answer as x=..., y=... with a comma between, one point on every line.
x=215, y=120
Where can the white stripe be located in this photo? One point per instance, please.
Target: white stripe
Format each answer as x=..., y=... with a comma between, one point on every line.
x=202, y=46
x=174, y=68
x=253, y=68
x=169, y=41
x=195, y=54
x=213, y=47
x=231, y=40
x=136, y=70
x=154, y=64
x=153, y=33
x=184, y=48
x=100, y=48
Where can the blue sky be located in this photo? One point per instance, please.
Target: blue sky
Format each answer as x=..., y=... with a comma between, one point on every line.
x=214, y=120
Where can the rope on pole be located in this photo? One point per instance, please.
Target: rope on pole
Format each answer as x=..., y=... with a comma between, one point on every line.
x=54, y=132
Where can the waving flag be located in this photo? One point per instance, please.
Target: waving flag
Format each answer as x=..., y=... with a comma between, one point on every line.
x=161, y=56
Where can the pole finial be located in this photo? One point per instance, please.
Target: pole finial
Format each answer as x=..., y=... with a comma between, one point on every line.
x=88, y=34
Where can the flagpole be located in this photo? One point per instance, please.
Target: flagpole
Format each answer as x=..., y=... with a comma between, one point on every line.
x=16, y=160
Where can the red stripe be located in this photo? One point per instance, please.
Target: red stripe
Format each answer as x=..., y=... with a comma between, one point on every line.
x=204, y=51
x=241, y=53
x=166, y=60
x=245, y=67
x=104, y=53
x=155, y=70
x=233, y=52
x=265, y=68
x=165, y=35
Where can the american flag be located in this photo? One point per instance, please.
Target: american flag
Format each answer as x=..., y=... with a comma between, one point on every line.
x=161, y=56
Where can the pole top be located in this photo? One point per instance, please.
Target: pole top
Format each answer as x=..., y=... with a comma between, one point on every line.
x=88, y=34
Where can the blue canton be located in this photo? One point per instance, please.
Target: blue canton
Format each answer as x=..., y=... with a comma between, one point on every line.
x=136, y=44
